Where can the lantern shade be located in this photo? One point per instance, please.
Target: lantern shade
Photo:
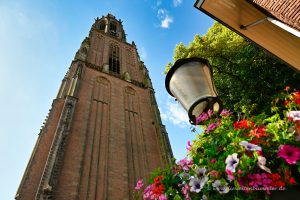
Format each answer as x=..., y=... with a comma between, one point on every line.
x=190, y=82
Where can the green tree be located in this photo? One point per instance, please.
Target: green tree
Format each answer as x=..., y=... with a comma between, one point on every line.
x=246, y=76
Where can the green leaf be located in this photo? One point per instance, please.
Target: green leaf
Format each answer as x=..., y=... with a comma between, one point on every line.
x=177, y=197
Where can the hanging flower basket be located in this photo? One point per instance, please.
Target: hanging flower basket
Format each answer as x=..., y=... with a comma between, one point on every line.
x=255, y=157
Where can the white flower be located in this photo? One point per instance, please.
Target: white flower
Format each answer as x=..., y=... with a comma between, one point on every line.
x=250, y=146
x=204, y=197
x=200, y=171
x=220, y=187
x=294, y=115
x=232, y=161
x=261, y=162
x=197, y=184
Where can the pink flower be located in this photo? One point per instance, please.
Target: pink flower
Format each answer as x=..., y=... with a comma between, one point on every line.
x=189, y=146
x=213, y=161
x=162, y=197
x=290, y=153
x=148, y=193
x=230, y=175
x=210, y=113
x=225, y=112
x=255, y=180
x=212, y=127
x=139, y=185
x=185, y=164
x=266, y=182
x=214, y=173
x=185, y=190
x=202, y=117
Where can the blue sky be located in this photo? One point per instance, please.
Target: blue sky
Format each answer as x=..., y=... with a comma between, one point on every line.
x=38, y=40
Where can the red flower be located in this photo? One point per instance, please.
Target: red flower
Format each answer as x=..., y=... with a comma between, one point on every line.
x=286, y=103
x=243, y=124
x=259, y=132
x=287, y=88
x=292, y=181
x=274, y=177
x=280, y=184
x=158, y=186
x=296, y=97
x=276, y=182
x=158, y=179
x=258, y=141
x=297, y=100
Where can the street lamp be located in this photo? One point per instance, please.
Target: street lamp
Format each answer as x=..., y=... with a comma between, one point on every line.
x=190, y=82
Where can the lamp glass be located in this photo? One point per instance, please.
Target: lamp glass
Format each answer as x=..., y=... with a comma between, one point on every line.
x=190, y=82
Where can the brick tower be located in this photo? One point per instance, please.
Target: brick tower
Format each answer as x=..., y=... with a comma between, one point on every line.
x=103, y=131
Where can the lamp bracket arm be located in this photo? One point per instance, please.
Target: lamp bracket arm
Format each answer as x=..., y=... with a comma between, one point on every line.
x=245, y=27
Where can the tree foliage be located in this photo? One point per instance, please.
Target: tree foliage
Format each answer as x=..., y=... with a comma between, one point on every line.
x=246, y=76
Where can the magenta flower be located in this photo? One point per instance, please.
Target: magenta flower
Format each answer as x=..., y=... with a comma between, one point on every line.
x=185, y=164
x=148, y=193
x=225, y=112
x=266, y=182
x=212, y=127
x=255, y=180
x=290, y=153
x=202, y=117
x=139, y=185
x=230, y=176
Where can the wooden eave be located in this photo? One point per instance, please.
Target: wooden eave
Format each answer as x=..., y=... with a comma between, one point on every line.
x=273, y=38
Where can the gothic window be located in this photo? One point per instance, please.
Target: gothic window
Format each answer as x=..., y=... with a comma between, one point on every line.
x=102, y=26
x=114, y=63
x=113, y=28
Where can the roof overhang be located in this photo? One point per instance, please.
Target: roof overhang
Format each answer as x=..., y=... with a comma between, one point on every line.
x=246, y=20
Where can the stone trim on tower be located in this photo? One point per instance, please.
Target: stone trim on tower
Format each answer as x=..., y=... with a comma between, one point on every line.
x=52, y=168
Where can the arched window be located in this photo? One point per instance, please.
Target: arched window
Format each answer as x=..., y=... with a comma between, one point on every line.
x=114, y=63
x=102, y=26
x=113, y=28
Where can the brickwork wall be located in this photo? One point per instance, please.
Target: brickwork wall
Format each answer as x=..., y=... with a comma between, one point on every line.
x=114, y=138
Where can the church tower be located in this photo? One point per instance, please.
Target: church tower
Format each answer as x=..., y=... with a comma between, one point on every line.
x=103, y=131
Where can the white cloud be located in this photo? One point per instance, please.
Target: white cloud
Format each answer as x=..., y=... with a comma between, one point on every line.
x=165, y=23
x=177, y=3
x=161, y=13
x=173, y=112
